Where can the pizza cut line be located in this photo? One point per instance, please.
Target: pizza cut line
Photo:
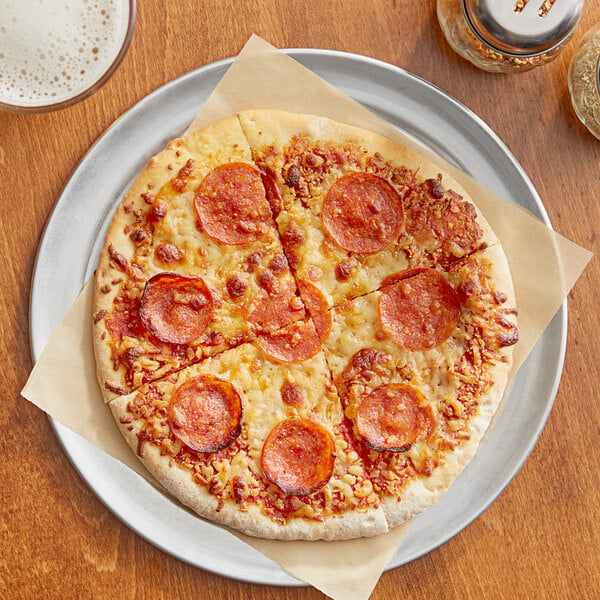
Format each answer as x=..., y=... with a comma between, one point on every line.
x=302, y=329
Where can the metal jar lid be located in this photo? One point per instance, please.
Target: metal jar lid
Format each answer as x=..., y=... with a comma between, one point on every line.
x=523, y=27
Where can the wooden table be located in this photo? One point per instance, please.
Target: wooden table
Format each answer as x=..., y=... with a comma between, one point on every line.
x=538, y=540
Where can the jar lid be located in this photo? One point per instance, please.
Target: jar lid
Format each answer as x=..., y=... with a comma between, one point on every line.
x=523, y=27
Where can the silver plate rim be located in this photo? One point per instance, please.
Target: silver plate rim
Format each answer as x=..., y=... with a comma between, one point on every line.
x=246, y=564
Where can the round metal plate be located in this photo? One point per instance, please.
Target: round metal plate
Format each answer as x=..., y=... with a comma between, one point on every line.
x=86, y=205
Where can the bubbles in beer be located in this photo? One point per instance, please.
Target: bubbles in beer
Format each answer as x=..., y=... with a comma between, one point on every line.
x=53, y=50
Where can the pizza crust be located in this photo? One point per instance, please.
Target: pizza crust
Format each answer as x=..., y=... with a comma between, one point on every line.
x=426, y=491
x=243, y=138
x=250, y=520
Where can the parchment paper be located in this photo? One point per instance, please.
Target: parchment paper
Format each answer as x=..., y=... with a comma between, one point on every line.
x=544, y=264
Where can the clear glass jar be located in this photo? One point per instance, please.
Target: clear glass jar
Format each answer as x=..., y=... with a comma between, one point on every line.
x=459, y=30
x=584, y=81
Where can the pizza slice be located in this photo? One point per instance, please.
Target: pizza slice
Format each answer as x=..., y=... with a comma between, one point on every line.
x=354, y=207
x=421, y=366
x=192, y=263
x=256, y=444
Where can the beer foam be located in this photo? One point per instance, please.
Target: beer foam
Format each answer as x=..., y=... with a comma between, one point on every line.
x=54, y=50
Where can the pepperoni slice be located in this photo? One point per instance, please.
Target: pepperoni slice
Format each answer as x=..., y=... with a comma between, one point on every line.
x=420, y=312
x=205, y=413
x=231, y=204
x=176, y=309
x=298, y=456
x=392, y=417
x=275, y=311
x=297, y=342
x=317, y=306
x=363, y=213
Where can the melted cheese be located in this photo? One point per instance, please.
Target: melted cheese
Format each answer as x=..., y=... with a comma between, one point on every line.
x=259, y=382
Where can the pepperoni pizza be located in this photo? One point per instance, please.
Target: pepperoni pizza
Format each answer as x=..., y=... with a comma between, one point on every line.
x=302, y=329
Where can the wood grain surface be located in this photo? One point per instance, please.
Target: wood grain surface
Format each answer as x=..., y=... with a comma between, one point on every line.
x=538, y=540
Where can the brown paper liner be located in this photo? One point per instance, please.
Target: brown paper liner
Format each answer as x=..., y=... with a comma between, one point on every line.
x=544, y=266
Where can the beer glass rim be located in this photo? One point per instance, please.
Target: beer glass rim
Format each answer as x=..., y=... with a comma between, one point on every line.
x=94, y=87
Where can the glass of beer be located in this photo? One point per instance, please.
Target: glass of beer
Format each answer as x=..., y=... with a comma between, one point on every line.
x=54, y=53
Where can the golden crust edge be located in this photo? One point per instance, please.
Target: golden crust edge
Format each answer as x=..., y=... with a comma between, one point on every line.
x=178, y=482
x=423, y=492
x=152, y=178
x=278, y=126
